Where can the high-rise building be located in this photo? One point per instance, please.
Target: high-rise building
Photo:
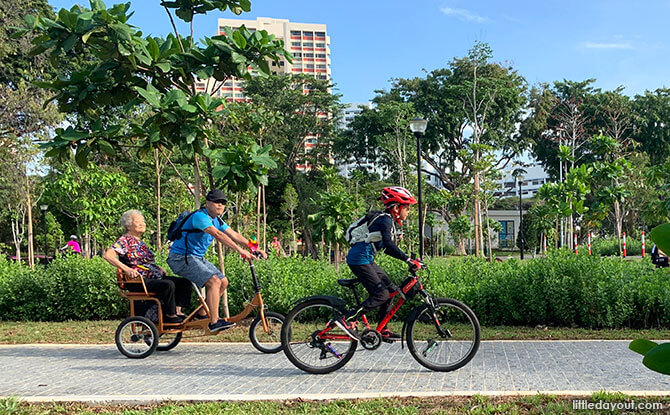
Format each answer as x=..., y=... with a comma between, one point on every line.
x=309, y=44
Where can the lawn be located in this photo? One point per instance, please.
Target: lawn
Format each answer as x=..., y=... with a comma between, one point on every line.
x=535, y=404
x=102, y=332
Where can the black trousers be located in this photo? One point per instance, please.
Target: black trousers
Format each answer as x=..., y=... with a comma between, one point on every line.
x=377, y=284
x=171, y=291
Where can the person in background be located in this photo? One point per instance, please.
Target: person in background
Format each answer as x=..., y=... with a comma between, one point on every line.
x=658, y=257
x=72, y=244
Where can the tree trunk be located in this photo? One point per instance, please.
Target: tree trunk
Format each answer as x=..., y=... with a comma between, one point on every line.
x=258, y=216
x=337, y=256
x=265, y=221
x=29, y=211
x=159, y=242
x=618, y=219
x=197, y=181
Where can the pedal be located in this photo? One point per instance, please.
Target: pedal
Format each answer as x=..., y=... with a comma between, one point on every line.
x=388, y=340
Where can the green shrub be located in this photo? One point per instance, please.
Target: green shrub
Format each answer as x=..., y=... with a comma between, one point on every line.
x=610, y=246
x=561, y=289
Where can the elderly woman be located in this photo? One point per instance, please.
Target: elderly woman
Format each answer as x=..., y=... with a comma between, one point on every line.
x=133, y=256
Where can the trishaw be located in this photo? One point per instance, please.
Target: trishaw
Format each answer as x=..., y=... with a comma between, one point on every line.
x=138, y=337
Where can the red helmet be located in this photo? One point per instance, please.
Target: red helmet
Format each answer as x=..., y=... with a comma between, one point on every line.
x=397, y=194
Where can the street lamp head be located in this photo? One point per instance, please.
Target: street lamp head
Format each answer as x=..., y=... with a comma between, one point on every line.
x=520, y=178
x=44, y=208
x=418, y=125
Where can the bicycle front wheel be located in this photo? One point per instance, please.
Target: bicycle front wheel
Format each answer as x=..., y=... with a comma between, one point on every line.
x=455, y=346
x=267, y=341
x=311, y=343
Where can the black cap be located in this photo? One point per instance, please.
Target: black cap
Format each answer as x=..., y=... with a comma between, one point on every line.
x=216, y=195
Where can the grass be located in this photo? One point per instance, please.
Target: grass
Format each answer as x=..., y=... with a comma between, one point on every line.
x=102, y=332
x=477, y=404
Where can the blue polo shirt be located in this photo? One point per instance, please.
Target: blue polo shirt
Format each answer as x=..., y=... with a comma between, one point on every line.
x=198, y=242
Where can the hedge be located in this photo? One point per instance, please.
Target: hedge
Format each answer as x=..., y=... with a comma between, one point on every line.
x=561, y=289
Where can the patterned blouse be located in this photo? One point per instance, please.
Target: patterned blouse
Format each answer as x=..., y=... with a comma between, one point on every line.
x=137, y=255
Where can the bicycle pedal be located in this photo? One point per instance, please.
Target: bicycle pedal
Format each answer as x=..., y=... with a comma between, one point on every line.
x=388, y=340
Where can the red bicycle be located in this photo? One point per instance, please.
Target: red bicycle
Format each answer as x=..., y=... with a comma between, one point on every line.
x=442, y=334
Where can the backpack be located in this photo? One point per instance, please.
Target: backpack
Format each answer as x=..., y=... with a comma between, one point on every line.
x=359, y=230
x=175, y=230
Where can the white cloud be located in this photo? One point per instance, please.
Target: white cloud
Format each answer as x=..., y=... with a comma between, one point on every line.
x=464, y=15
x=596, y=45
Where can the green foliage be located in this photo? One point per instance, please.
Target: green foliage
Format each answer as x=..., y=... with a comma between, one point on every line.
x=562, y=289
x=132, y=70
x=71, y=288
x=242, y=168
x=609, y=246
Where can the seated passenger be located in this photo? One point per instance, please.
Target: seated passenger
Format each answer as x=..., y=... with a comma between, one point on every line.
x=133, y=257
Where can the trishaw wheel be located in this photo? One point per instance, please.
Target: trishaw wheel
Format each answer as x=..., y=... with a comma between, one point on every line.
x=267, y=342
x=168, y=341
x=136, y=337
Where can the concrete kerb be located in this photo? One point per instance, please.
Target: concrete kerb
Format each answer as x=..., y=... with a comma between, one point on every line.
x=151, y=399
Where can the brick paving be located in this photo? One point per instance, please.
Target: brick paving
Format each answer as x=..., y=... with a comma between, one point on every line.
x=238, y=371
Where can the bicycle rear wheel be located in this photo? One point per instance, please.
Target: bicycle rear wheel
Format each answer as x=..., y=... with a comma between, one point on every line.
x=308, y=341
x=452, y=351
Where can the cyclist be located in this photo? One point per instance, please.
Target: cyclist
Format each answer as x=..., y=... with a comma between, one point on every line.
x=361, y=260
x=187, y=258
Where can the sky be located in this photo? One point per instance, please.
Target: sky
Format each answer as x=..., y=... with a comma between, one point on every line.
x=619, y=43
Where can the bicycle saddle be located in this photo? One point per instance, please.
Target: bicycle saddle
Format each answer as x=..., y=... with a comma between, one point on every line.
x=348, y=283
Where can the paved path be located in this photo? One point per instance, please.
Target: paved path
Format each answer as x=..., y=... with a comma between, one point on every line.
x=237, y=371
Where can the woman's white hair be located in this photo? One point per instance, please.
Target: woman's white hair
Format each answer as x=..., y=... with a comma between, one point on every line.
x=127, y=218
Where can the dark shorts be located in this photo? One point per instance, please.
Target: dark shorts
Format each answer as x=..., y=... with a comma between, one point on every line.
x=198, y=270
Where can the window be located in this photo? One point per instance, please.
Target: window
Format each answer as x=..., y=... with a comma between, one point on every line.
x=321, y=77
x=281, y=63
x=321, y=34
x=308, y=34
x=309, y=66
x=238, y=95
x=297, y=65
x=297, y=54
x=309, y=55
x=295, y=44
x=320, y=45
x=295, y=32
x=321, y=56
x=320, y=66
x=308, y=45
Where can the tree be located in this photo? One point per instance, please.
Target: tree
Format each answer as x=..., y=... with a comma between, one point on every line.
x=131, y=69
x=473, y=102
x=460, y=229
x=289, y=206
x=384, y=128
x=302, y=141
x=337, y=210
x=651, y=125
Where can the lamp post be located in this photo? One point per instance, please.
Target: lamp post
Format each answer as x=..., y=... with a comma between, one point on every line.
x=520, y=181
x=418, y=127
x=44, y=208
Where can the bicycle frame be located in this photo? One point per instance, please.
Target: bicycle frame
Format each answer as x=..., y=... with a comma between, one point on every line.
x=394, y=309
x=256, y=301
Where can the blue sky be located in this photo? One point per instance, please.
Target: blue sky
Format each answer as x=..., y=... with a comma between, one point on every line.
x=617, y=42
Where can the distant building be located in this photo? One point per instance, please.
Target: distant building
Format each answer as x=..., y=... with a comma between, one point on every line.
x=533, y=179
x=346, y=167
x=309, y=44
